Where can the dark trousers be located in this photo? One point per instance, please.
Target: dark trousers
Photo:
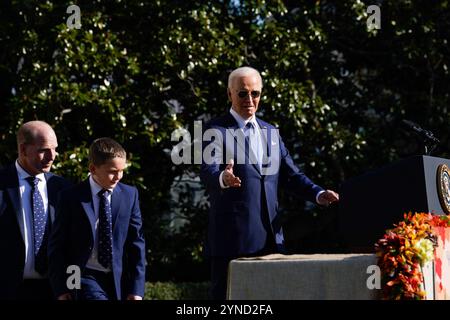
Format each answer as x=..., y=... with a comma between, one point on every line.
x=219, y=269
x=219, y=277
x=97, y=285
x=35, y=290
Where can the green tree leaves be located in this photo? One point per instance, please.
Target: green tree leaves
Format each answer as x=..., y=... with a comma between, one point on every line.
x=136, y=70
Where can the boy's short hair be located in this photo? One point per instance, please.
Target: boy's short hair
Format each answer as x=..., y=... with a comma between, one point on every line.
x=104, y=149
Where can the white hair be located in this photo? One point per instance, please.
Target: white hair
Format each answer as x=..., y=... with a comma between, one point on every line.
x=242, y=71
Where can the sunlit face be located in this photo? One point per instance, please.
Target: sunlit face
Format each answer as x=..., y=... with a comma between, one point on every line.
x=38, y=156
x=108, y=174
x=245, y=106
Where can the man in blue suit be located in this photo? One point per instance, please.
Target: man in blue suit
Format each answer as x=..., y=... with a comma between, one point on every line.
x=99, y=230
x=28, y=196
x=247, y=160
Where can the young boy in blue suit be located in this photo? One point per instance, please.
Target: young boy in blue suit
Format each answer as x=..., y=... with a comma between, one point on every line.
x=99, y=229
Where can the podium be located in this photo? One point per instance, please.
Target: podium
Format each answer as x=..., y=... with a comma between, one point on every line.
x=373, y=202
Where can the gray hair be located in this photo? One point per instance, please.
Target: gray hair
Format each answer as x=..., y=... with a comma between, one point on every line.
x=242, y=71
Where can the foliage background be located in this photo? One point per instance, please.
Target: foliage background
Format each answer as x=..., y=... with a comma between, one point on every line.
x=137, y=70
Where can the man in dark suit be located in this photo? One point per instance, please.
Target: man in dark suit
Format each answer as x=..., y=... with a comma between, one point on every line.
x=28, y=196
x=241, y=169
x=99, y=230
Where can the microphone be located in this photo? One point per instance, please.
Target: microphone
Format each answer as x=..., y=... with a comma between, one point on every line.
x=425, y=134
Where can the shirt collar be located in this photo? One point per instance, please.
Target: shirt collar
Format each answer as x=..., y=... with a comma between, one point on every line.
x=95, y=187
x=23, y=175
x=241, y=121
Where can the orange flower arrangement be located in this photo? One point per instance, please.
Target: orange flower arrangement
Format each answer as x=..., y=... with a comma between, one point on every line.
x=403, y=250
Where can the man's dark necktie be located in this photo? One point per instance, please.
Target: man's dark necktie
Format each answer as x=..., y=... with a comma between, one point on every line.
x=104, y=230
x=39, y=227
x=248, y=126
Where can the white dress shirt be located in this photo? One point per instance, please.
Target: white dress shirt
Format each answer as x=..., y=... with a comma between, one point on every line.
x=27, y=217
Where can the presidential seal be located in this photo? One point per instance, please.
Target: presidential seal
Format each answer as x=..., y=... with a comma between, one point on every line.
x=443, y=187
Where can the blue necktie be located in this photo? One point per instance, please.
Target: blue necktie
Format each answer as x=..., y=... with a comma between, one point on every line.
x=248, y=126
x=104, y=230
x=39, y=225
x=253, y=146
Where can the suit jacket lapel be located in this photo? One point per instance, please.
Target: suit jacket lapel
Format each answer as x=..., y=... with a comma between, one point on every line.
x=265, y=136
x=266, y=140
x=51, y=196
x=233, y=127
x=116, y=202
x=88, y=205
x=12, y=186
